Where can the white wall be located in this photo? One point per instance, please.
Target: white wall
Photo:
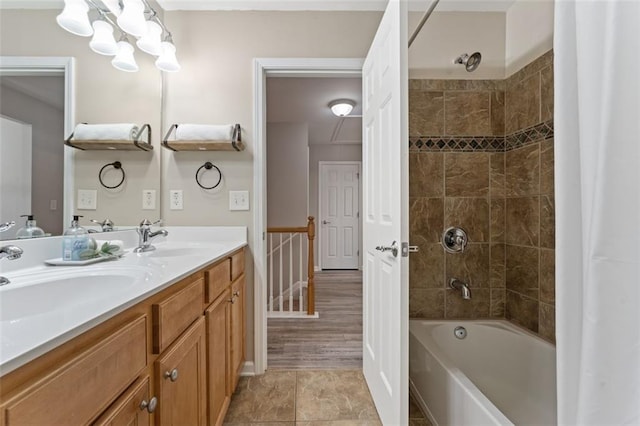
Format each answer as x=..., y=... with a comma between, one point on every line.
x=287, y=174
x=529, y=32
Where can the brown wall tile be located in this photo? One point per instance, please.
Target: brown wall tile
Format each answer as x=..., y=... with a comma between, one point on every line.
x=426, y=269
x=498, y=297
x=426, y=303
x=426, y=113
x=498, y=265
x=522, y=168
x=547, y=222
x=546, y=94
x=498, y=210
x=546, y=167
x=426, y=174
x=523, y=104
x=497, y=113
x=497, y=174
x=547, y=322
x=470, y=214
x=476, y=307
x=548, y=276
x=522, y=310
x=466, y=174
x=522, y=270
x=471, y=267
x=467, y=113
x=523, y=221
x=426, y=220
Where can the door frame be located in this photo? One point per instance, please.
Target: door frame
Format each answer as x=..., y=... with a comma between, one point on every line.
x=338, y=163
x=282, y=67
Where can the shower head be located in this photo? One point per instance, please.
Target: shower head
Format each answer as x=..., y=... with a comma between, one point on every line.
x=470, y=62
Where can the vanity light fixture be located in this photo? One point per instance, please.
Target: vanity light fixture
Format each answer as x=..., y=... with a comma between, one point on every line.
x=342, y=107
x=129, y=17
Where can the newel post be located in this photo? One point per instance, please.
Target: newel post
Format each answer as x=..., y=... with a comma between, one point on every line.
x=311, y=234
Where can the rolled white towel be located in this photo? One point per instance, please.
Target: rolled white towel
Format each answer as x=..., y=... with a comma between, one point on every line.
x=114, y=132
x=203, y=132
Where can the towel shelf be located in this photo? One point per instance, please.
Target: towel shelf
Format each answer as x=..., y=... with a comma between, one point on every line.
x=235, y=144
x=136, y=144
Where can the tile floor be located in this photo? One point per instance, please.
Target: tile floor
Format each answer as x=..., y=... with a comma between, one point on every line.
x=307, y=398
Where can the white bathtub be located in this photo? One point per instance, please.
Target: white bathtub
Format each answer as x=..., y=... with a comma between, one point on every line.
x=498, y=375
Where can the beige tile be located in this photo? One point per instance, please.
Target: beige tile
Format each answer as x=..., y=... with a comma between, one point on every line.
x=333, y=395
x=522, y=310
x=426, y=220
x=470, y=214
x=546, y=167
x=476, y=307
x=426, y=269
x=547, y=322
x=546, y=93
x=498, y=296
x=341, y=423
x=523, y=221
x=522, y=270
x=548, y=276
x=497, y=113
x=466, y=174
x=522, y=171
x=259, y=423
x=497, y=174
x=426, y=174
x=523, y=104
x=426, y=303
x=426, y=113
x=467, y=113
x=498, y=265
x=471, y=267
x=266, y=398
x=547, y=222
x=498, y=208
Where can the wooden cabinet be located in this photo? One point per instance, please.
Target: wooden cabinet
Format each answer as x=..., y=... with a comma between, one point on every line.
x=238, y=333
x=133, y=408
x=217, y=279
x=181, y=379
x=218, y=319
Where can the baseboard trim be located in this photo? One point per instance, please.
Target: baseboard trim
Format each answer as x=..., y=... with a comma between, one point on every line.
x=248, y=369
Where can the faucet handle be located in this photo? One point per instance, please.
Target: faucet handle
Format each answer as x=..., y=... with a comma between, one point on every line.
x=148, y=223
x=5, y=226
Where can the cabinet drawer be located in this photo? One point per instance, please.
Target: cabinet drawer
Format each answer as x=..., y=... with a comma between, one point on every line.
x=216, y=279
x=173, y=315
x=81, y=389
x=237, y=265
x=132, y=408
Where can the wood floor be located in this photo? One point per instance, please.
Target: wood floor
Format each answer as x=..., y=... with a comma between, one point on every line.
x=334, y=340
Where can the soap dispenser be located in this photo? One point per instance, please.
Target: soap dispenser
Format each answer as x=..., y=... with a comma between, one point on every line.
x=30, y=229
x=75, y=240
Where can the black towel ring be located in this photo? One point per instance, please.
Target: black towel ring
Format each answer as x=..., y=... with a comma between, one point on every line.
x=116, y=165
x=208, y=166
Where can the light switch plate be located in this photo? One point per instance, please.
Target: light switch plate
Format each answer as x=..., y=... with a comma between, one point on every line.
x=87, y=199
x=148, y=199
x=175, y=199
x=238, y=200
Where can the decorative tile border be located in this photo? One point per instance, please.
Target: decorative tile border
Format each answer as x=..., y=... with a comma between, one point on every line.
x=510, y=142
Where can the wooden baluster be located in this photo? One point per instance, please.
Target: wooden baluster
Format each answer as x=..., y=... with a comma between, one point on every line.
x=300, y=274
x=271, y=272
x=290, y=272
x=280, y=308
x=311, y=234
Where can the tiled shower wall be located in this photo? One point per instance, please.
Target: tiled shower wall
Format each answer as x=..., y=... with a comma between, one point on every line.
x=481, y=157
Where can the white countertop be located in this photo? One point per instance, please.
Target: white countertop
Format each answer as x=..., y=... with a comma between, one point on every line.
x=45, y=306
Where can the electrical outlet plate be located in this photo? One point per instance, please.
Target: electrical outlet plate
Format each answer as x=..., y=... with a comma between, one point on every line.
x=148, y=199
x=175, y=199
x=87, y=199
x=238, y=200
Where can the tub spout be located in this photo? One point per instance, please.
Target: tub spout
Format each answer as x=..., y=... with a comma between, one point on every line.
x=456, y=284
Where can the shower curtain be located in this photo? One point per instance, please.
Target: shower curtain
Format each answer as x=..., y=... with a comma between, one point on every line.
x=597, y=143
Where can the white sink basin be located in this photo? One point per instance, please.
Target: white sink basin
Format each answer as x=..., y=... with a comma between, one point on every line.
x=44, y=293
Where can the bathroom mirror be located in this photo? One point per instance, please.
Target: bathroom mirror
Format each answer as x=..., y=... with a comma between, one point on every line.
x=93, y=91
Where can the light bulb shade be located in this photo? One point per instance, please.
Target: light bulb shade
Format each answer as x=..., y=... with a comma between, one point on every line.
x=151, y=42
x=75, y=19
x=167, y=61
x=124, y=60
x=103, y=41
x=342, y=107
x=132, y=18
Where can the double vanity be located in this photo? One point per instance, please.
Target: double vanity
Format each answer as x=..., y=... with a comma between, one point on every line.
x=149, y=338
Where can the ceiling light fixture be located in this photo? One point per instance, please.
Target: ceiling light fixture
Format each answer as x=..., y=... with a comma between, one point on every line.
x=129, y=17
x=341, y=107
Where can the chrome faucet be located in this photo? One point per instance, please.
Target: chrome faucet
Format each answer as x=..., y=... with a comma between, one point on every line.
x=10, y=253
x=106, y=225
x=456, y=284
x=144, y=231
x=5, y=226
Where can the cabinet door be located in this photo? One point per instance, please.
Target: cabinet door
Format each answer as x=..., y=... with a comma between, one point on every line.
x=218, y=322
x=237, y=330
x=180, y=379
x=132, y=408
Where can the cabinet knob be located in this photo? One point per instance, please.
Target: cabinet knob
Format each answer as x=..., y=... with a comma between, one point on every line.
x=150, y=406
x=236, y=293
x=173, y=375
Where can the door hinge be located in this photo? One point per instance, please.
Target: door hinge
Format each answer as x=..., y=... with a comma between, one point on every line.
x=406, y=249
x=358, y=215
x=264, y=235
x=358, y=253
x=357, y=175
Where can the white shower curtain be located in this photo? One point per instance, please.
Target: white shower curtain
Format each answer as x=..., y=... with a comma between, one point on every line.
x=597, y=143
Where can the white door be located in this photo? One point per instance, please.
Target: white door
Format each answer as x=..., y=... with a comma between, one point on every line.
x=15, y=173
x=385, y=204
x=339, y=215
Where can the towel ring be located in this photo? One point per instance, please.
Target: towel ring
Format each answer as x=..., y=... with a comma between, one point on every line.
x=208, y=166
x=116, y=165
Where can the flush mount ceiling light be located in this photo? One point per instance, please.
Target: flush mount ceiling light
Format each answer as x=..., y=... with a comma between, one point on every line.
x=341, y=107
x=129, y=17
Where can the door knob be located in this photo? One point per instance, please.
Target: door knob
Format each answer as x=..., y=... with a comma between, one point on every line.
x=325, y=222
x=393, y=248
x=172, y=375
x=150, y=406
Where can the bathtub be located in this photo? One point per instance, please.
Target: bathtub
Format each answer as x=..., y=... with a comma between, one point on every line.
x=498, y=374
